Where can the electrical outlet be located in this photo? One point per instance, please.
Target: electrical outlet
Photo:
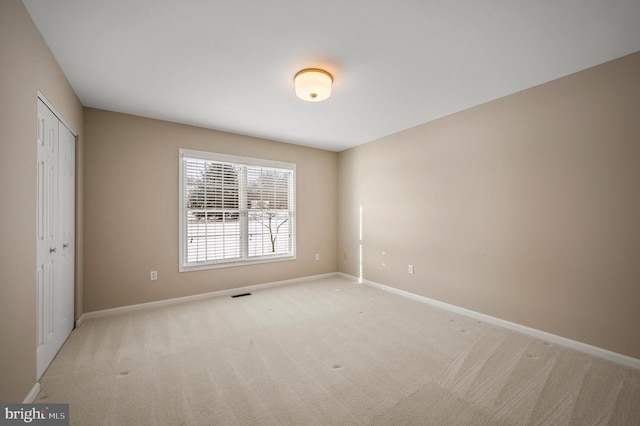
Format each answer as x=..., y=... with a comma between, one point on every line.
x=411, y=269
x=153, y=275
x=344, y=256
x=317, y=256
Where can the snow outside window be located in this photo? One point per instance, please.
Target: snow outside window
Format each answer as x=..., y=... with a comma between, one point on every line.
x=235, y=210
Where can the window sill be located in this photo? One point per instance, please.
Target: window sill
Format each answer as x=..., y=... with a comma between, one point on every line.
x=205, y=265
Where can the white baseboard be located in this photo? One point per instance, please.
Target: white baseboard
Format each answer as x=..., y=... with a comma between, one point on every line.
x=35, y=390
x=220, y=293
x=539, y=334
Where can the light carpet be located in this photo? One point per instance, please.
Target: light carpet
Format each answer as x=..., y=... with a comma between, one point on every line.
x=327, y=352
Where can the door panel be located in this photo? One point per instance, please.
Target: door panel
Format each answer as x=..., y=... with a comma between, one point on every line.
x=55, y=235
x=64, y=291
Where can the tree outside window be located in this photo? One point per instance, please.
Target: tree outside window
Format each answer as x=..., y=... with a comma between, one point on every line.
x=235, y=210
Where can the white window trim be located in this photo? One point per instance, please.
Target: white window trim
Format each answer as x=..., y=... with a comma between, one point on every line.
x=211, y=156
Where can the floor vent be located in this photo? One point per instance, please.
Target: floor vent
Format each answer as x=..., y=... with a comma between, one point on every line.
x=241, y=295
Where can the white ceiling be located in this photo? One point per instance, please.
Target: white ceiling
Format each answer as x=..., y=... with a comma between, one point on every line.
x=229, y=64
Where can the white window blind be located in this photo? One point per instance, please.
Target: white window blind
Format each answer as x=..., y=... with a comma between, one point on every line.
x=235, y=210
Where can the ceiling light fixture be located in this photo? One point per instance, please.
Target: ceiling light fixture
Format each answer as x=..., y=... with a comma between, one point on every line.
x=313, y=85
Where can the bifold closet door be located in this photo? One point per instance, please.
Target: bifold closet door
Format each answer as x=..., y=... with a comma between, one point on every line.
x=55, y=235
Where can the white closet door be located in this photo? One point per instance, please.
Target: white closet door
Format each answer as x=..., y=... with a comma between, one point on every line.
x=54, y=245
x=63, y=292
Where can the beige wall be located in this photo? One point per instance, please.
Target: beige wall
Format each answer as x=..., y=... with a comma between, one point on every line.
x=526, y=208
x=26, y=66
x=131, y=210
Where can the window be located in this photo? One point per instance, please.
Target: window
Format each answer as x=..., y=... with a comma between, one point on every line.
x=235, y=210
